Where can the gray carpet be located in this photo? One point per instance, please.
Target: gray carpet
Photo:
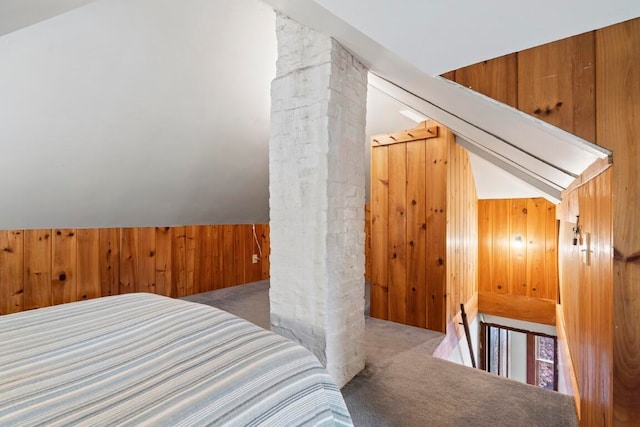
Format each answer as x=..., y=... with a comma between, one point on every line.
x=402, y=385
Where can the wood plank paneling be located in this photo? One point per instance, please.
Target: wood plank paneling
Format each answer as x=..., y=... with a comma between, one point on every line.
x=496, y=78
x=37, y=269
x=518, y=247
x=228, y=256
x=424, y=238
x=266, y=250
x=436, y=226
x=530, y=309
x=11, y=271
x=522, y=233
x=380, y=232
x=192, y=256
x=217, y=270
x=88, y=284
x=109, y=261
x=536, y=246
x=397, y=233
x=461, y=230
x=163, y=269
x=179, y=261
x=416, y=234
x=590, y=85
x=63, y=266
x=146, y=254
x=128, y=260
x=618, y=129
x=500, y=250
x=204, y=281
x=556, y=84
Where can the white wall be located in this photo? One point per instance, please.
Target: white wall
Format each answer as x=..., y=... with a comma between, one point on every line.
x=137, y=112
x=460, y=353
x=518, y=356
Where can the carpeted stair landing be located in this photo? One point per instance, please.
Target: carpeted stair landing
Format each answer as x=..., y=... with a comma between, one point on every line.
x=403, y=385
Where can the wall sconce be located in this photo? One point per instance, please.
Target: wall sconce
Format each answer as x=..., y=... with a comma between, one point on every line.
x=518, y=242
x=576, y=231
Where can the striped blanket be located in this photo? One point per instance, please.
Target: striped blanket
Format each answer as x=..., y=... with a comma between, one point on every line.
x=142, y=359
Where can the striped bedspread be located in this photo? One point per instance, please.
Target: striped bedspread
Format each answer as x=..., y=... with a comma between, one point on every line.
x=142, y=359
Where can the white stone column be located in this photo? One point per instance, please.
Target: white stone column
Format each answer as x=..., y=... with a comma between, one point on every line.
x=316, y=172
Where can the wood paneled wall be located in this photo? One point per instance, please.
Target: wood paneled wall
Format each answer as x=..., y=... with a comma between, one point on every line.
x=423, y=227
x=590, y=85
x=517, y=247
x=461, y=231
x=618, y=129
x=39, y=268
x=586, y=291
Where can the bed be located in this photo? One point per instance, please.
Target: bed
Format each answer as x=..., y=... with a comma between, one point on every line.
x=143, y=359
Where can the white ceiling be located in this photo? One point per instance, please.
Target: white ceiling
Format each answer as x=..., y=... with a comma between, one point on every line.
x=442, y=35
x=150, y=112
x=17, y=14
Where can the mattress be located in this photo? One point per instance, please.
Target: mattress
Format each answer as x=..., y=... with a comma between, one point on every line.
x=142, y=359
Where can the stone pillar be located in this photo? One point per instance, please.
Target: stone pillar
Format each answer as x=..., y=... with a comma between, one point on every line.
x=316, y=172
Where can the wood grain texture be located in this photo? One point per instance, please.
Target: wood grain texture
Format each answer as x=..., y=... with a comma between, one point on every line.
x=530, y=309
x=587, y=299
x=397, y=233
x=380, y=232
x=128, y=260
x=146, y=253
x=556, y=84
x=109, y=261
x=11, y=271
x=163, y=272
x=517, y=236
x=618, y=129
x=436, y=234
x=192, y=262
x=416, y=234
x=424, y=230
x=590, y=85
x=495, y=78
x=517, y=247
x=88, y=283
x=37, y=269
x=63, y=266
x=461, y=230
x=179, y=261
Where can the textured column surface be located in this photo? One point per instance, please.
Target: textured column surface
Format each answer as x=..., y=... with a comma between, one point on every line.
x=316, y=164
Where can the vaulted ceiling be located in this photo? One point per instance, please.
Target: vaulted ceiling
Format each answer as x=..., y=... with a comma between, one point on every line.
x=151, y=112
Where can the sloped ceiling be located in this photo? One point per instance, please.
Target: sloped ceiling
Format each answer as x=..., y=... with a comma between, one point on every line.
x=539, y=154
x=17, y=14
x=156, y=112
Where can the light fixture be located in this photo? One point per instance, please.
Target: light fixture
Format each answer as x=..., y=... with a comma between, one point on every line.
x=518, y=242
x=576, y=231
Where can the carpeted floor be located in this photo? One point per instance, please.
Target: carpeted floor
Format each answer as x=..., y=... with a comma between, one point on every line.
x=402, y=385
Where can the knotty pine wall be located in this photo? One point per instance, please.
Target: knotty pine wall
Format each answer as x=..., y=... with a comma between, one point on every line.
x=587, y=293
x=423, y=227
x=39, y=268
x=525, y=271
x=589, y=85
x=461, y=235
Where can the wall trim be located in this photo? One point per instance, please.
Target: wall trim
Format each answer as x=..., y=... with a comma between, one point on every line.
x=531, y=309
